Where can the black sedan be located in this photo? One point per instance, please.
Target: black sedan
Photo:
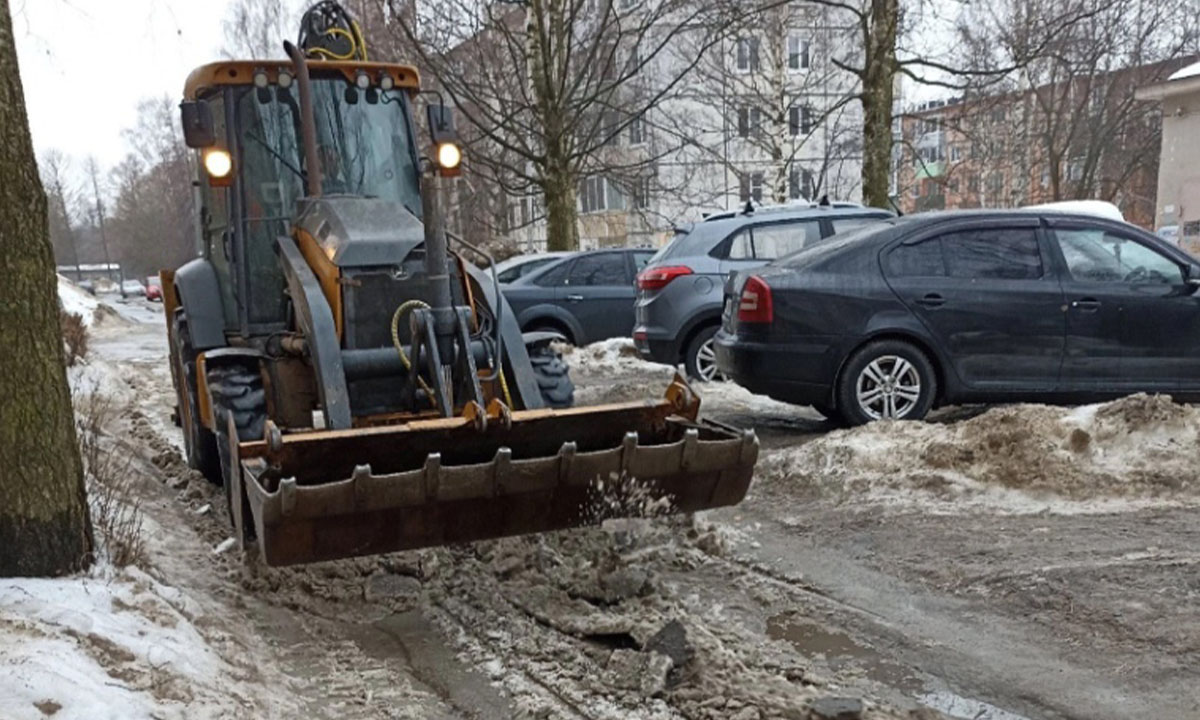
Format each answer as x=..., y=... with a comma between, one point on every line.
x=585, y=296
x=968, y=306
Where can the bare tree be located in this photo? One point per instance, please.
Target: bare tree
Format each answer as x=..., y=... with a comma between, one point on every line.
x=44, y=524
x=549, y=87
x=92, y=169
x=1066, y=124
x=895, y=41
x=61, y=196
x=153, y=215
x=256, y=29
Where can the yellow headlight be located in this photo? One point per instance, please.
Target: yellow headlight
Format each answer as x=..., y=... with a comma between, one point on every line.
x=218, y=163
x=449, y=156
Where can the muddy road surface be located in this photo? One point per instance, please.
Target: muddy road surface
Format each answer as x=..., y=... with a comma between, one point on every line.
x=988, y=565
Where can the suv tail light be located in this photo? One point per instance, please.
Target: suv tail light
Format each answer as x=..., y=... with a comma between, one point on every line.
x=659, y=277
x=755, y=304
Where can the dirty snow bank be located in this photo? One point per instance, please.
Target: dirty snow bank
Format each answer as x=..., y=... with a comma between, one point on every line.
x=77, y=301
x=616, y=353
x=1140, y=450
x=114, y=643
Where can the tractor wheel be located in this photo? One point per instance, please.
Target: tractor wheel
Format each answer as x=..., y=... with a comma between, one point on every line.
x=553, y=377
x=200, y=445
x=236, y=390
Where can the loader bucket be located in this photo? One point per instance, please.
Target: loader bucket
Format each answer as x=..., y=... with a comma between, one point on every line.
x=325, y=495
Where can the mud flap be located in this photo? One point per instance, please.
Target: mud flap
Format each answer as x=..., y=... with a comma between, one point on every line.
x=332, y=494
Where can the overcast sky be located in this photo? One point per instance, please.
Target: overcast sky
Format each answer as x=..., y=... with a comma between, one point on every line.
x=85, y=64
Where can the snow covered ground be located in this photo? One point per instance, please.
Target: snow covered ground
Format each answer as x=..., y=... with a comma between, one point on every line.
x=115, y=643
x=1022, y=562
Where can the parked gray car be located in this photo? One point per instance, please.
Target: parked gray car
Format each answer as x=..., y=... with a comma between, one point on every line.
x=586, y=296
x=679, y=293
x=519, y=266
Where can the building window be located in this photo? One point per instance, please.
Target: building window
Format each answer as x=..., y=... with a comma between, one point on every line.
x=641, y=192
x=797, y=53
x=633, y=62
x=612, y=120
x=751, y=187
x=637, y=130
x=596, y=194
x=749, y=121
x=996, y=183
x=955, y=153
x=800, y=183
x=973, y=183
x=747, y=54
x=1075, y=170
x=800, y=120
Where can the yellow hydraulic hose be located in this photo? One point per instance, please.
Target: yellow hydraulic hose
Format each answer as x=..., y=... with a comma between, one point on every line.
x=405, y=307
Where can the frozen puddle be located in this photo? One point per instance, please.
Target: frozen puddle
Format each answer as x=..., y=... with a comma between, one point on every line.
x=841, y=652
x=960, y=707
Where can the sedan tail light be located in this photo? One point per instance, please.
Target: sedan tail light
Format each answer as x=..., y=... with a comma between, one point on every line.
x=659, y=277
x=755, y=305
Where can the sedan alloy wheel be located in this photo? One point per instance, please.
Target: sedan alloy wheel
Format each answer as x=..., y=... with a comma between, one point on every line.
x=888, y=387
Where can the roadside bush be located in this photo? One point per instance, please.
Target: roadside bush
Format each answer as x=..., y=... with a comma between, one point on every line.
x=75, y=335
x=115, y=503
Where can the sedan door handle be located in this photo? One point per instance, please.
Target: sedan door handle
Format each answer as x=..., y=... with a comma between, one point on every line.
x=574, y=298
x=932, y=300
x=1086, y=304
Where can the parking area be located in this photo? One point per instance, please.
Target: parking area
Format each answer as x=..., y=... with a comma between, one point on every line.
x=1017, y=561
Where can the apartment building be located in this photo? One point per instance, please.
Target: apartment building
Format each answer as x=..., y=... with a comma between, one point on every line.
x=760, y=115
x=1082, y=138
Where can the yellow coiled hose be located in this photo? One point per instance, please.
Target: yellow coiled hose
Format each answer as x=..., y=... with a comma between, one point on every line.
x=406, y=307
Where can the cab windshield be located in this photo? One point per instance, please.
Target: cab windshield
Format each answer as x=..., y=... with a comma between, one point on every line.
x=365, y=149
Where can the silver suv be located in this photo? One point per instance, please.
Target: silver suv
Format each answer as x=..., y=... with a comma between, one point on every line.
x=679, y=293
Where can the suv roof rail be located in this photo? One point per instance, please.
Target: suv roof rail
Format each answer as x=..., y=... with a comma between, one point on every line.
x=751, y=209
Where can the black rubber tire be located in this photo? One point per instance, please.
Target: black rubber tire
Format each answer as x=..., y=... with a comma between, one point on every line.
x=543, y=326
x=553, y=377
x=690, y=355
x=847, y=400
x=237, y=390
x=200, y=445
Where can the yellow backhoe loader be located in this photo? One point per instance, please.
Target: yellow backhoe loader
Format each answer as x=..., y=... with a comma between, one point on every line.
x=352, y=380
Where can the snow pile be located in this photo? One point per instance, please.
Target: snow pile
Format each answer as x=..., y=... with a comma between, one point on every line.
x=614, y=354
x=1024, y=458
x=77, y=301
x=111, y=644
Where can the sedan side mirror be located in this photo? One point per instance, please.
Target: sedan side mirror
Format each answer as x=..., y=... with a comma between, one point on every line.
x=1191, y=275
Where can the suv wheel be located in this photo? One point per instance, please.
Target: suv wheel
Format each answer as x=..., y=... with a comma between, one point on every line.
x=887, y=379
x=700, y=359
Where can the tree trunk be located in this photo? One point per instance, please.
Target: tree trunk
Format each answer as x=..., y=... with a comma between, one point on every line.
x=562, y=216
x=44, y=523
x=877, y=94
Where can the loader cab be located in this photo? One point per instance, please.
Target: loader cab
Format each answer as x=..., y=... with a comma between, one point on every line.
x=244, y=120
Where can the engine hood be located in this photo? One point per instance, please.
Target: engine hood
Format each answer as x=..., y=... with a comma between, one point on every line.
x=361, y=232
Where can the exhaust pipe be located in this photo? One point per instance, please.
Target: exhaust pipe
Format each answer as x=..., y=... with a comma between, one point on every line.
x=308, y=124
